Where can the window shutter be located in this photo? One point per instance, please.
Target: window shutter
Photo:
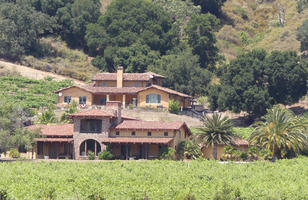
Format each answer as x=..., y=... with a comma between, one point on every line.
x=147, y=98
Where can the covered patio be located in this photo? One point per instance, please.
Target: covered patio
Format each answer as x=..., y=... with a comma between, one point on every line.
x=126, y=99
x=54, y=148
x=136, y=148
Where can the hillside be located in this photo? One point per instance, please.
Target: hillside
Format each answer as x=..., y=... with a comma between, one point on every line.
x=251, y=24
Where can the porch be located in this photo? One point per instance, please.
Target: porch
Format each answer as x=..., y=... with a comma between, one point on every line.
x=54, y=148
x=126, y=99
x=137, y=148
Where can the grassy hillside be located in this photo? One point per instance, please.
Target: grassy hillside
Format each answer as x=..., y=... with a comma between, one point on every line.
x=250, y=24
x=62, y=60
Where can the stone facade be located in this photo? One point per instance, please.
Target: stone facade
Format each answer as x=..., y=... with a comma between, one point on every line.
x=79, y=138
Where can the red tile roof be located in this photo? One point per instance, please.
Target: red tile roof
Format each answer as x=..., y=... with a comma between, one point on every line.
x=137, y=140
x=126, y=76
x=169, y=91
x=149, y=125
x=64, y=130
x=92, y=113
x=105, y=90
x=240, y=142
x=54, y=139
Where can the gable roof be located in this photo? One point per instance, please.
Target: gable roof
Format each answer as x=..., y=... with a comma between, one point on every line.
x=126, y=76
x=64, y=130
x=169, y=91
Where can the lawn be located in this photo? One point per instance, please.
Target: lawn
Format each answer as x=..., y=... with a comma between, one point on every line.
x=285, y=179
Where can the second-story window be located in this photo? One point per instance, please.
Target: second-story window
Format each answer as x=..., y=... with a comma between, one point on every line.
x=82, y=100
x=136, y=84
x=165, y=133
x=90, y=126
x=133, y=133
x=67, y=99
x=149, y=133
x=118, y=133
x=153, y=98
x=104, y=84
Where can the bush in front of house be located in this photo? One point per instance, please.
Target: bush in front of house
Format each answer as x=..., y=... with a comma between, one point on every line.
x=167, y=153
x=91, y=156
x=105, y=155
x=14, y=153
x=174, y=107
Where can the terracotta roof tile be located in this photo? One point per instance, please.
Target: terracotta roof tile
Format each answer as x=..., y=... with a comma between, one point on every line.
x=169, y=91
x=240, y=142
x=54, y=139
x=127, y=76
x=149, y=125
x=105, y=90
x=54, y=129
x=92, y=113
x=137, y=140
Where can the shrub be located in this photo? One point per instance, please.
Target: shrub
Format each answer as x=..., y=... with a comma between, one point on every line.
x=14, y=153
x=244, y=156
x=174, y=107
x=91, y=156
x=167, y=153
x=3, y=194
x=105, y=155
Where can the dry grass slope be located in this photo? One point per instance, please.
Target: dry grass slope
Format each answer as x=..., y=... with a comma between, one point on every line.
x=256, y=24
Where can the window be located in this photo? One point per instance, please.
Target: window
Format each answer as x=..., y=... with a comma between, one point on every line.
x=136, y=84
x=103, y=101
x=153, y=98
x=90, y=126
x=117, y=133
x=67, y=99
x=165, y=133
x=104, y=84
x=133, y=133
x=40, y=148
x=82, y=100
x=149, y=133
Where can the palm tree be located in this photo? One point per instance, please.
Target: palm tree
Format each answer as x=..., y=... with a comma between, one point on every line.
x=281, y=131
x=216, y=130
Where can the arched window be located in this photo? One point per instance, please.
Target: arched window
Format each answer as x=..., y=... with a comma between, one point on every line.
x=153, y=98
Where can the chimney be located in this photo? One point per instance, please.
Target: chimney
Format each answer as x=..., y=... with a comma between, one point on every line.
x=115, y=106
x=120, y=77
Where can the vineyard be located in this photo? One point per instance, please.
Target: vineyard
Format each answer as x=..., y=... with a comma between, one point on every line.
x=30, y=93
x=285, y=179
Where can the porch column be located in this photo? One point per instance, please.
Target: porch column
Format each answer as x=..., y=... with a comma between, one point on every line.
x=126, y=146
x=107, y=97
x=85, y=147
x=123, y=101
x=57, y=150
x=95, y=145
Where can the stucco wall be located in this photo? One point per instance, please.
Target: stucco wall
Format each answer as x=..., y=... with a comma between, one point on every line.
x=142, y=98
x=142, y=133
x=208, y=152
x=75, y=93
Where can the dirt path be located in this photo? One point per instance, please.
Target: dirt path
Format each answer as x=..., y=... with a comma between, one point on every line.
x=34, y=73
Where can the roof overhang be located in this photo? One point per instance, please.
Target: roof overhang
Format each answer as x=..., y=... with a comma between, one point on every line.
x=132, y=140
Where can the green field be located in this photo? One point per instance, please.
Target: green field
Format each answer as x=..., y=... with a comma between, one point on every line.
x=285, y=179
x=30, y=93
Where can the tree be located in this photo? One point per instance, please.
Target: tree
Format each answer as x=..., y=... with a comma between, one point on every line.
x=130, y=32
x=179, y=11
x=200, y=32
x=20, y=28
x=74, y=18
x=281, y=131
x=73, y=108
x=211, y=6
x=302, y=35
x=192, y=149
x=216, y=130
x=255, y=81
x=183, y=72
x=48, y=116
